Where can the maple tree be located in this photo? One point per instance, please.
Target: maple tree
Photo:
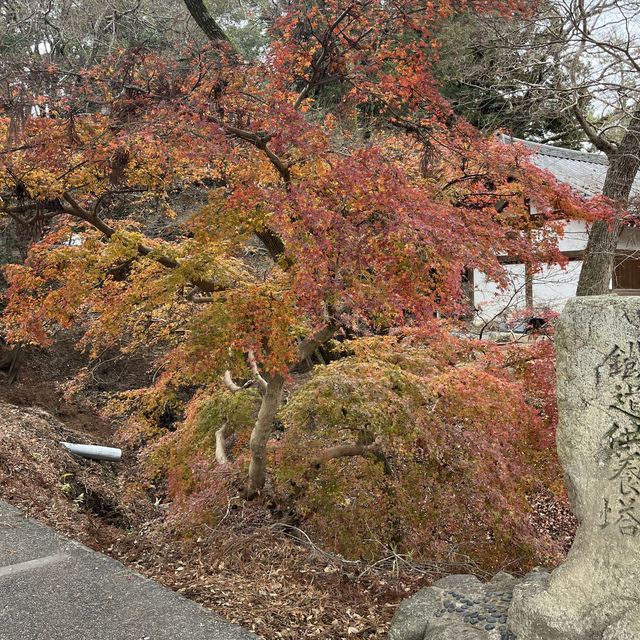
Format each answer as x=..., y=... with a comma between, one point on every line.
x=450, y=437
x=370, y=212
x=427, y=448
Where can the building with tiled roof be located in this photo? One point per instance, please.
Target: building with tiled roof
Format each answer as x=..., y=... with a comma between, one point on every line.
x=554, y=285
x=584, y=171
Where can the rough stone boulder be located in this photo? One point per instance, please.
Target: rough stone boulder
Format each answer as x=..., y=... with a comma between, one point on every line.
x=456, y=608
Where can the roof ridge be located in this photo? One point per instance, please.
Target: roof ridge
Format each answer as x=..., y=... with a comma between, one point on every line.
x=560, y=152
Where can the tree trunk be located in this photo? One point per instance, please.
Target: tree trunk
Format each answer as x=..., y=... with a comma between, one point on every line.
x=599, y=255
x=528, y=286
x=260, y=436
x=209, y=26
x=272, y=242
x=10, y=361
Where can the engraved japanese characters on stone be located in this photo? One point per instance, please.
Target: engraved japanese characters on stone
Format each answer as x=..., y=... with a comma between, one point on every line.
x=621, y=508
x=622, y=362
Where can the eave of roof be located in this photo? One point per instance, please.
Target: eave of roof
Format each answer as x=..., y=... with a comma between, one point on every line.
x=583, y=171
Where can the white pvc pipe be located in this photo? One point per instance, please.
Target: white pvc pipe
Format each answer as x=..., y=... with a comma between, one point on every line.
x=93, y=451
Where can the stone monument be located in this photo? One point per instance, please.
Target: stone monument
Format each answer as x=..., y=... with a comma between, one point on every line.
x=595, y=593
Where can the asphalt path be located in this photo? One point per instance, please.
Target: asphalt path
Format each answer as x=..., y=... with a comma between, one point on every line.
x=53, y=588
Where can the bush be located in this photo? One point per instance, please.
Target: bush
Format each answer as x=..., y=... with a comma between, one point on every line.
x=463, y=437
x=198, y=486
x=430, y=448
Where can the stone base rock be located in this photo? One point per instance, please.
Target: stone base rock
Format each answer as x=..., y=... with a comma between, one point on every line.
x=580, y=600
x=456, y=608
x=463, y=608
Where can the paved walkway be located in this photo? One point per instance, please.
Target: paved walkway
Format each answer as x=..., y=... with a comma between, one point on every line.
x=53, y=588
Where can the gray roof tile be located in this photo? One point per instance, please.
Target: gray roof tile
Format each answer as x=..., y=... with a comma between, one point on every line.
x=583, y=171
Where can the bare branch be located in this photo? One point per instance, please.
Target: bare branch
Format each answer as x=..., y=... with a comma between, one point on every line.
x=230, y=384
x=310, y=344
x=597, y=141
x=353, y=449
x=259, y=140
x=76, y=210
x=344, y=451
x=259, y=380
x=222, y=434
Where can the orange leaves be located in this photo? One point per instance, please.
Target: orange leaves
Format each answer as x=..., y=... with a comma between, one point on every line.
x=265, y=320
x=256, y=317
x=371, y=198
x=335, y=147
x=91, y=138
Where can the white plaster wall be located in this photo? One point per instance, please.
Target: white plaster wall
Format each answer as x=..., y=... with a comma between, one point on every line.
x=552, y=287
x=576, y=234
x=629, y=239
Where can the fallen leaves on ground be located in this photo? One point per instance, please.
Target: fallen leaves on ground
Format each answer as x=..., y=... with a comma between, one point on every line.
x=253, y=570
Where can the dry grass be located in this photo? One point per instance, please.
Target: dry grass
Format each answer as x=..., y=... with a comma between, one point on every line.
x=251, y=570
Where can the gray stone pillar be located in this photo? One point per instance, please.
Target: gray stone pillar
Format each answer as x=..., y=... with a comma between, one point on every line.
x=595, y=593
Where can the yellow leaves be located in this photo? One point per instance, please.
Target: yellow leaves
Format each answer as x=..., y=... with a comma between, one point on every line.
x=319, y=168
x=122, y=245
x=227, y=225
x=42, y=180
x=4, y=131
